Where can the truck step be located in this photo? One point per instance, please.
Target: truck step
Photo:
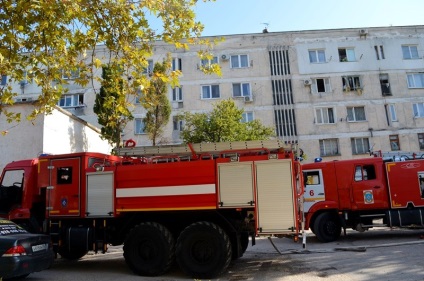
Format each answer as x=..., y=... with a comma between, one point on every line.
x=373, y=216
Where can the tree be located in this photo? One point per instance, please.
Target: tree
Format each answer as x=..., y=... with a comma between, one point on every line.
x=224, y=123
x=110, y=107
x=156, y=102
x=44, y=41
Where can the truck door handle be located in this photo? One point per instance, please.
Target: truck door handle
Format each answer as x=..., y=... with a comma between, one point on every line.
x=377, y=186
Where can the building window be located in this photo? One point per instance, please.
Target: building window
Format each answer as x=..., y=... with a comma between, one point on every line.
x=3, y=81
x=210, y=92
x=207, y=62
x=317, y=56
x=247, y=117
x=385, y=85
x=410, y=52
x=321, y=85
x=149, y=68
x=416, y=80
x=360, y=145
x=71, y=74
x=351, y=83
x=71, y=100
x=391, y=113
x=356, y=114
x=139, y=126
x=329, y=147
x=239, y=61
x=177, y=94
x=177, y=124
x=346, y=54
x=394, y=142
x=379, y=52
x=324, y=115
x=177, y=64
x=418, y=109
x=241, y=89
x=421, y=140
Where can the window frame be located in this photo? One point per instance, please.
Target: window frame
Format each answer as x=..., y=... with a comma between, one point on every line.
x=324, y=113
x=394, y=140
x=412, y=79
x=149, y=68
x=77, y=100
x=420, y=140
x=329, y=142
x=418, y=109
x=177, y=125
x=177, y=94
x=247, y=116
x=356, y=146
x=349, y=54
x=210, y=87
x=355, y=115
x=350, y=83
x=327, y=85
x=408, y=53
x=241, y=90
x=239, y=61
x=208, y=62
x=177, y=64
x=138, y=122
x=314, y=56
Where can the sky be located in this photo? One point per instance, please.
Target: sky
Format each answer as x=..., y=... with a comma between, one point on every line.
x=224, y=17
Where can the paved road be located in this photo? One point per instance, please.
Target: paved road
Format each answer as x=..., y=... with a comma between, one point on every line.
x=372, y=256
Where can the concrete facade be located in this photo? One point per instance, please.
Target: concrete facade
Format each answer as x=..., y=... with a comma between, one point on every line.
x=56, y=133
x=338, y=93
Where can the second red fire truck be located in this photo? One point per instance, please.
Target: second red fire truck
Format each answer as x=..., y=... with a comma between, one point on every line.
x=363, y=193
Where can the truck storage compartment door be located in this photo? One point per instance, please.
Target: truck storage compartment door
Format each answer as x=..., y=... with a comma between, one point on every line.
x=276, y=195
x=64, y=190
x=235, y=184
x=100, y=194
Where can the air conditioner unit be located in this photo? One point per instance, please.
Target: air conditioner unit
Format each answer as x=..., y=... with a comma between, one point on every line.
x=248, y=98
x=363, y=31
x=225, y=57
x=307, y=82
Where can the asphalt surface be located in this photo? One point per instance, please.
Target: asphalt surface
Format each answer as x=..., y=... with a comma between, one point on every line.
x=373, y=256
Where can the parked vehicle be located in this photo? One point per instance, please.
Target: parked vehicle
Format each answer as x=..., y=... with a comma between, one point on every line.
x=363, y=193
x=21, y=252
x=196, y=204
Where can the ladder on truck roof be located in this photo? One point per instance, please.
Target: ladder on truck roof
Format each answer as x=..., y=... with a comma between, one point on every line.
x=204, y=148
x=399, y=155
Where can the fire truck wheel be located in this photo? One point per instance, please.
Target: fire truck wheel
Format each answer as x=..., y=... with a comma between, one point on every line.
x=149, y=249
x=203, y=250
x=327, y=227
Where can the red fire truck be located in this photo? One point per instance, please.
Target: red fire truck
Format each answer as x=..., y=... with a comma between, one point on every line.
x=196, y=204
x=363, y=193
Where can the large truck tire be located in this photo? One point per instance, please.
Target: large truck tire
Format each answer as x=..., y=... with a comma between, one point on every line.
x=149, y=249
x=327, y=227
x=203, y=250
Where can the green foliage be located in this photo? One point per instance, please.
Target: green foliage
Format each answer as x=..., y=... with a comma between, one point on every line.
x=156, y=102
x=224, y=123
x=111, y=106
x=44, y=41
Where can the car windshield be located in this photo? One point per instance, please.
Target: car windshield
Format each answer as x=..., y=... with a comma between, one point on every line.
x=9, y=228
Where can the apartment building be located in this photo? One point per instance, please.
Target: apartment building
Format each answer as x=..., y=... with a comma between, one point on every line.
x=337, y=93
